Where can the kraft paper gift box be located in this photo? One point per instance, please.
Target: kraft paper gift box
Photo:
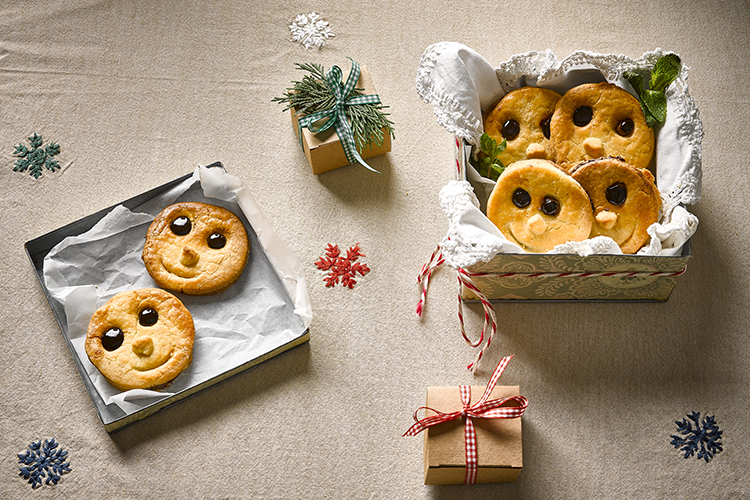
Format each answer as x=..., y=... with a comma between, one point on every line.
x=324, y=150
x=472, y=434
x=499, y=446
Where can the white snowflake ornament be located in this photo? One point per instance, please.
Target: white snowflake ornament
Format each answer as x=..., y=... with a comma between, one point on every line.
x=310, y=31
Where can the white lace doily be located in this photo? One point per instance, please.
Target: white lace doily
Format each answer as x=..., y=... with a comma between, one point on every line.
x=460, y=84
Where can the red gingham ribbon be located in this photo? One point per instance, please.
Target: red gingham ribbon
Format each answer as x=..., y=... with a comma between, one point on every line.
x=481, y=409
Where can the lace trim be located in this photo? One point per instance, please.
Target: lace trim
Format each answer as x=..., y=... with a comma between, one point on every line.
x=453, y=116
x=520, y=65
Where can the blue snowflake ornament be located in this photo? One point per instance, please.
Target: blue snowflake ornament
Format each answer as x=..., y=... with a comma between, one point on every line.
x=699, y=437
x=43, y=461
x=34, y=157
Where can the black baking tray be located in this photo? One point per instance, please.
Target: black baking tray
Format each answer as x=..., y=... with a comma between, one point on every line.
x=111, y=415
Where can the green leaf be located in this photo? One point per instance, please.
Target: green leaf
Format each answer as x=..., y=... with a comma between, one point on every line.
x=636, y=80
x=487, y=163
x=656, y=102
x=497, y=170
x=487, y=144
x=499, y=149
x=665, y=71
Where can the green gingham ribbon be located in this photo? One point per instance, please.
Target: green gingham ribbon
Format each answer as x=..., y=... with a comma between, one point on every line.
x=336, y=116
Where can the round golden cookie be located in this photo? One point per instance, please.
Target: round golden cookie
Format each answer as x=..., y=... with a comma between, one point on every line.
x=141, y=339
x=522, y=118
x=536, y=205
x=625, y=200
x=196, y=248
x=596, y=120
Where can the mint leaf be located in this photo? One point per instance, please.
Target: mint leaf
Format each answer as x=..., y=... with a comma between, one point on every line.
x=499, y=149
x=665, y=71
x=656, y=102
x=636, y=81
x=487, y=144
x=487, y=163
x=497, y=169
x=653, y=100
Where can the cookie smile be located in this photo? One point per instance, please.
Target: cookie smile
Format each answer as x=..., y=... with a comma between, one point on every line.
x=178, y=269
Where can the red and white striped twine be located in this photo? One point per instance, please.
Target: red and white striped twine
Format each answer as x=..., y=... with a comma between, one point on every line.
x=490, y=319
x=436, y=260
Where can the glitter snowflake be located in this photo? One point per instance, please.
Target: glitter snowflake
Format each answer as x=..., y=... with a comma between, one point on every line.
x=704, y=438
x=43, y=461
x=341, y=268
x=36, y=157
x=310, y=31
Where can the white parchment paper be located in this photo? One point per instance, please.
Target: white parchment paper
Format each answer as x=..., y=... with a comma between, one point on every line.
x=265, y=309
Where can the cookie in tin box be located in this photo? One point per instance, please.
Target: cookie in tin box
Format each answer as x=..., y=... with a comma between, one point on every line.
x=625, y=200
x=538, y=206
x=597, y=120
x=522, y=119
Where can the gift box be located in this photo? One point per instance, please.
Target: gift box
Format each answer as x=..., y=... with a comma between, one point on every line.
x=461, y=85
x=472, y=434
x=499, y=446
x=324, y=150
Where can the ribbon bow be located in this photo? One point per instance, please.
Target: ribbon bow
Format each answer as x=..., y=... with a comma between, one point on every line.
x=481, y=409
x=336, y=116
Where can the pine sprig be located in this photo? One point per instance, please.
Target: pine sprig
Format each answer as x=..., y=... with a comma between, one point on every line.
x=311, y=94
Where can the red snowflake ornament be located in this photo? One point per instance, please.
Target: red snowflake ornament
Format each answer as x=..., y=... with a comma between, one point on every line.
x=341, y=268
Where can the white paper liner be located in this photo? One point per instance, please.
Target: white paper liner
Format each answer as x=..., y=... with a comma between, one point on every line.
x=461, y=85
x=265, y=309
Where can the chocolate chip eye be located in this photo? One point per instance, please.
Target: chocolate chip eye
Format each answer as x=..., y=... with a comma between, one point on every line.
x=625, y=127
x=112, y=339
x=545, y=126
x=550, y=206
x=148, y=317
x=181, y=226
x=217, y=240
x=582, y=116
x=521, y=198
x=617, y=193
x=511, y=129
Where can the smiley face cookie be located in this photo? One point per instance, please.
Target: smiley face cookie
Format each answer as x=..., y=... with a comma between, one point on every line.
x=522, y=118
x=141, y=339
x=196, y=248
x=537, y=205
x=596, y=120
x=625, y=200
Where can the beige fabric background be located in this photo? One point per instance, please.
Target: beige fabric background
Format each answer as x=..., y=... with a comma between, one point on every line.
x=140, y=93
